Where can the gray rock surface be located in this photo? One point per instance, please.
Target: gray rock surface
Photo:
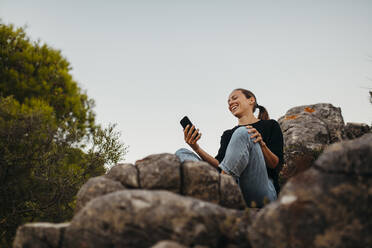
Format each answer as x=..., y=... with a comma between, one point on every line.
x=126, y=174
x=230, y=194
x=329, y=205
x=141, y=218
x=39, y=235
x=164, y=172
x=200, y=180
x=307, y=130
x=314, y=124
x=160, y=171
x=94, y=187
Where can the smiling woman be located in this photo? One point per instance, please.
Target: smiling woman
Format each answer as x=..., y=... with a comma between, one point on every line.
x=251, y=152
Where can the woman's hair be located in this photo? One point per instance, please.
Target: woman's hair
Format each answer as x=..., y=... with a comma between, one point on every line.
x=263, y=114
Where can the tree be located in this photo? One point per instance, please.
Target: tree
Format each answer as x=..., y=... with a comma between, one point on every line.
x=50, y=143
x=31, y=70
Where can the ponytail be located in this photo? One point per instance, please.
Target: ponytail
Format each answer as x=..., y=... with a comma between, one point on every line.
x=263, y=114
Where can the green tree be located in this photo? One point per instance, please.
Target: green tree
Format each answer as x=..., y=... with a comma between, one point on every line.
x=32, y=70
x=50, y=143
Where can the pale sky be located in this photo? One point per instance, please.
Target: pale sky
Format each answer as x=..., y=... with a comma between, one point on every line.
x=147, y=63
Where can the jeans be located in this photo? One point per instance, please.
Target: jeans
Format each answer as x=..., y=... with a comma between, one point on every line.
x=245, y=162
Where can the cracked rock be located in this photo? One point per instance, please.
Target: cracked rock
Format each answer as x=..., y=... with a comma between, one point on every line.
x=126, y=174
x=141, y=218
x=94, y=187
x=200, y=180
x=160, y=171
x=329, y=205
x=307, y=130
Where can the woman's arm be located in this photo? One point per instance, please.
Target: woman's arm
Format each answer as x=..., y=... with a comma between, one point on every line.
x=205, y=156
x=271, y=159
x=191, y=141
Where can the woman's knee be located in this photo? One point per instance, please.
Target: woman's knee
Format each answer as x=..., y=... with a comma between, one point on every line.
x=185, y=154
x=241, y=132
x=182, y=151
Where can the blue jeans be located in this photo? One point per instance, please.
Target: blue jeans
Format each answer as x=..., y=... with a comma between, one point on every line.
x=245, y=162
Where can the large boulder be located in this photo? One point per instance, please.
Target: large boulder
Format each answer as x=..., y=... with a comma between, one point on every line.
x=200, y=180
x=40, y=235
x=307, y=130
x=329, y=205
x=160, y=171
x=164, y=172
x=94, y=187
x=126, y=174
x=141, y=218
x=230, y=194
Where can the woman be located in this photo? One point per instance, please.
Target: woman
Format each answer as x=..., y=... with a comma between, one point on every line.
x=251, y=152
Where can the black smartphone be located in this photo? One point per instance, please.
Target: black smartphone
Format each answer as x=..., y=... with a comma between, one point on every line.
x=186, y=121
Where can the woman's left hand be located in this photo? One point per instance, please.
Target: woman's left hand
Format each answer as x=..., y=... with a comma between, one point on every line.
x=256, y=135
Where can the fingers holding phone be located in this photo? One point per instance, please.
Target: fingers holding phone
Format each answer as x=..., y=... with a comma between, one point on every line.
x=191, y=135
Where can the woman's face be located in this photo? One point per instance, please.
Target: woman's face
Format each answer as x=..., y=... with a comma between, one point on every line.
x=239, y=105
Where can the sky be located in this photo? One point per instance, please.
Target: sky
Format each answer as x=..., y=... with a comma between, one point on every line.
x=148, y=63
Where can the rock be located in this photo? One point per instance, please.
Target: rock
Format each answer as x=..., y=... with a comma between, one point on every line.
x=307, y=130
x=298, y=159
x=230, y=194
x=127, y=174
x=200, y=180
x=329, y=205
x=141, y=218
x=168, y=244
x=321, y=114
x=164, y=171
x=39, y=235
x=160, y=171
x=356, y=130
x=94, y=187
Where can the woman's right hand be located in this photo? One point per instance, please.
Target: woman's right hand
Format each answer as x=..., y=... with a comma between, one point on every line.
x=191, y=137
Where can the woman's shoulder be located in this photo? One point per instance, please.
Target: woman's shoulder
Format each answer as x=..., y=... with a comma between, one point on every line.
x=268, y=123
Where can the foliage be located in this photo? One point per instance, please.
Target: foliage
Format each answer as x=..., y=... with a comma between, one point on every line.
x=31, y=70
x=49, y=142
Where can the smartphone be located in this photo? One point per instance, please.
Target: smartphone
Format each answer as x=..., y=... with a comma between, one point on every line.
x=186, y=121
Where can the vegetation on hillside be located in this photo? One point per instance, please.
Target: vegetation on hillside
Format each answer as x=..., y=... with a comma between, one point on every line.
x=50, y=143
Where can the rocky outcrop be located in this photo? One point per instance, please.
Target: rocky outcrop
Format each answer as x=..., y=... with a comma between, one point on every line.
x=156, y=199
x=308, y=130
x=329, y=205
x=165, y=172
x=313, y=125
x=141, y=218
x=160, y=202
